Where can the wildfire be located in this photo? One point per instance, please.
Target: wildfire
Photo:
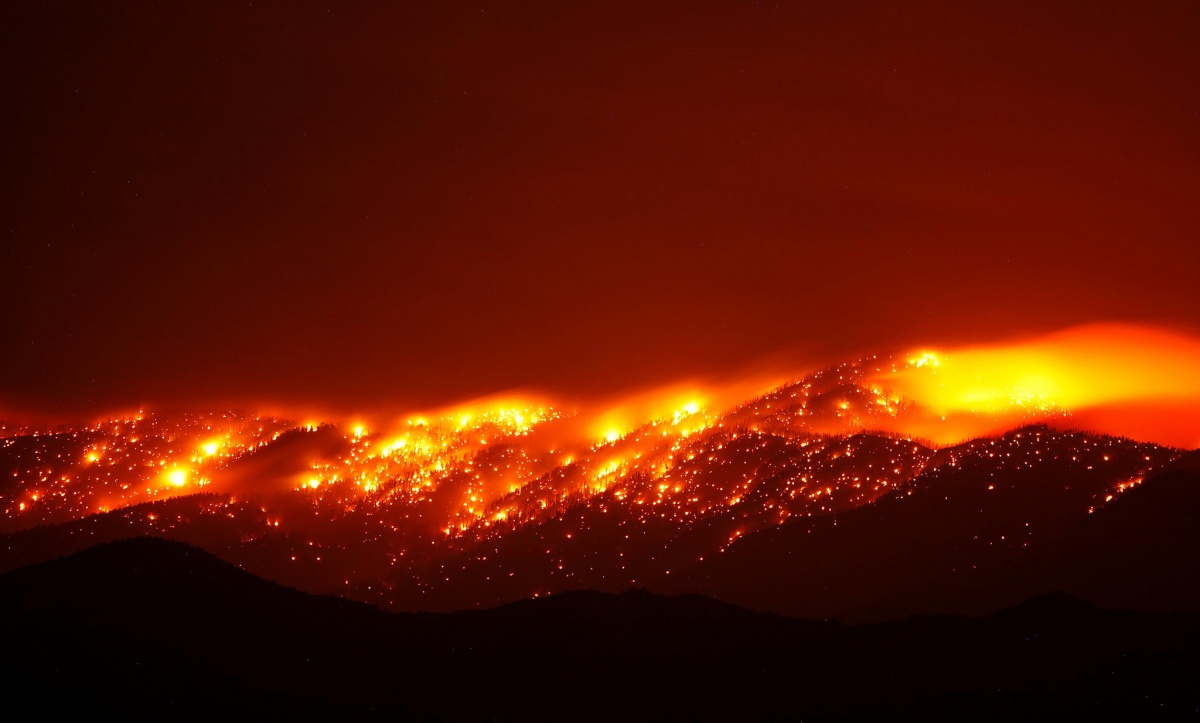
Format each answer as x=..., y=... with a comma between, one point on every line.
x=1107, y=377
x=677, y=454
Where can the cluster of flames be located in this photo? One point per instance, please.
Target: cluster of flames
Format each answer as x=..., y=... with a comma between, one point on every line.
x=1132, y=381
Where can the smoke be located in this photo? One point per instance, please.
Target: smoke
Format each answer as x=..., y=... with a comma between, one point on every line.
x=1122, y=379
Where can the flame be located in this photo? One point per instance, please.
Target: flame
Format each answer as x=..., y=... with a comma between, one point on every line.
x=1121, y=379
x=612, y=418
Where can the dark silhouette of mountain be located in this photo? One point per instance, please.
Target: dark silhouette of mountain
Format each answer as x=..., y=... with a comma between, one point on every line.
x=971, y=538
x=147, y=628
x=1142, y=552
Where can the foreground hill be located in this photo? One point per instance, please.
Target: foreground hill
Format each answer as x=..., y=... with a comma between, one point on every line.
x=150, y=628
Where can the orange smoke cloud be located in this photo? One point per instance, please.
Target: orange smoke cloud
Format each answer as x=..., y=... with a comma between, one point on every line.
x=1121, y=379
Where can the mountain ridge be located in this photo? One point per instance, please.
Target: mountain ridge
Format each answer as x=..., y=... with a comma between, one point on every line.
x=271, y=651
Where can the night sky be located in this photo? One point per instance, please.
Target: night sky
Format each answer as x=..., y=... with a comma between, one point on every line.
x=413, y=204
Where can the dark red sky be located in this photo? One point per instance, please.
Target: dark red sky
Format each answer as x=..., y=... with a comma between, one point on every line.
x=355, y=203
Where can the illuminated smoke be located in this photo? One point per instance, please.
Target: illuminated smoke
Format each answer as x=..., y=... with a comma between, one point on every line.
x=1119, y=379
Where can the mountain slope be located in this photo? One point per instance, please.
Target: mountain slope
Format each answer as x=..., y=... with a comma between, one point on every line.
x=971, y=538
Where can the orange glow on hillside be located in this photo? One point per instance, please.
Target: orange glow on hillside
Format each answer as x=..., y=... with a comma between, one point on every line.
x=1119, y=379
x=683, y=405
x=507, y=459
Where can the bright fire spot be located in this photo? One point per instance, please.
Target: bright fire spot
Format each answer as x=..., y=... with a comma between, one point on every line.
x=93, y=457
x=210, y=448
x=359, y=430
x=177, y=477
x=314, y=483
x=612, y=435
x=688, y=410
x=925, y=359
